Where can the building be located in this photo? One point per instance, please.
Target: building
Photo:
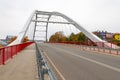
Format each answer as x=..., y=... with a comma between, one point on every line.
x=104, y=35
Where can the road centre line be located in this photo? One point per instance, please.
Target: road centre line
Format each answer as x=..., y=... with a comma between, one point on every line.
x=93, y=61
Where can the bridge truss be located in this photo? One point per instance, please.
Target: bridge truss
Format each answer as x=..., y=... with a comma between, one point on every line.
x=42, y=19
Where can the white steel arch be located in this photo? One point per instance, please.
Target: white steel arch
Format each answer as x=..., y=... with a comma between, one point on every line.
x=32, y=18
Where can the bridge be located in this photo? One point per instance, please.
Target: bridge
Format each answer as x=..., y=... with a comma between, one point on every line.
x=57, y=61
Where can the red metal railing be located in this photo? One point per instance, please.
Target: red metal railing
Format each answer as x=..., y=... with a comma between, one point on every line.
x=99, y=44
x=71, y=42
x=103, y=47
x=9, y=51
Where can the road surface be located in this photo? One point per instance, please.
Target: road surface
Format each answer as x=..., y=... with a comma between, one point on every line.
x=71, y=63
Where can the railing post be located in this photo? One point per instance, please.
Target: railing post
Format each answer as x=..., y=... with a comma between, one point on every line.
x=90, y=48
x=11, y=52
x=98, y=49
x=3, y=56
x=94, y=48
x=117, y=52
x=110, y=51
x=111, y=45
x=16, y=49
x=103, y=44
x=104, y=49
x=6, y=53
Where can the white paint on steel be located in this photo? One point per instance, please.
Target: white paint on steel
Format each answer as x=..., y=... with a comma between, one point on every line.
x=24, y=30
x=90, y=35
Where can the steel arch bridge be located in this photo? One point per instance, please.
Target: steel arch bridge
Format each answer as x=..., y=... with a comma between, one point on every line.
x=35, y=20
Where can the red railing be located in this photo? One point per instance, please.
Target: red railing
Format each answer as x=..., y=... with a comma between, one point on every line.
x=104, y=47
x=9, y=51
x=77, y=43
x=99, y=44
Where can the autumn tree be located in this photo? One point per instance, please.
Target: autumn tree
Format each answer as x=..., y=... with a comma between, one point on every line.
x=58, y=37
x=1, y=45
x=25, y=39
x=12, y=39
x=116, y=39
x=71, y=37
x=82, y=37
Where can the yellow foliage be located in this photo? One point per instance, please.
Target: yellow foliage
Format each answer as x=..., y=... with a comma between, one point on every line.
x=12, y=39
x=57, y=37
x=25, y=39
x=1, y=45
x=117, y=37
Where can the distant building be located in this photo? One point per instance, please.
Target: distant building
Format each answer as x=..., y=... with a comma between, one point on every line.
x=8, y=38
x=3, y=43
x=104, y=35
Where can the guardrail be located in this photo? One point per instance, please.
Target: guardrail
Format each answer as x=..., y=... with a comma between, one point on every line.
x=95, y=48
x=8, y=52
x=100, y=44
x=43, y=67
x=101, y=49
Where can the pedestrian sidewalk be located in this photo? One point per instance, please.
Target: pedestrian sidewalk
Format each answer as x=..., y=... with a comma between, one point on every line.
x=23, y=66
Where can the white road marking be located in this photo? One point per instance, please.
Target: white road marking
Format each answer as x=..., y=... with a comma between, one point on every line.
x=55, y=67
x=96, y=62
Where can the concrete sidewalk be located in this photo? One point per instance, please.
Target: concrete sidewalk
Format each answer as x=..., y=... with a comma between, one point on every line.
x=23, y=66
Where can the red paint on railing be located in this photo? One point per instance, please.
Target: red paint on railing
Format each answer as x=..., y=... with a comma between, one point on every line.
x=103, y=47
x=9, y=51
x=99, y=44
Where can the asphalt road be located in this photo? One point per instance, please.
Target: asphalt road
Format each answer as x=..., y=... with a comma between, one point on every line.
x=71, y=63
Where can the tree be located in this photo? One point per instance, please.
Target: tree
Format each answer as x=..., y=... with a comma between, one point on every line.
x=71, y=37
x=57, y=37
x=1, y=45
x=25, y=39
x=116, y=39
x=52, y=38
x=82, y=37
x=12, y=39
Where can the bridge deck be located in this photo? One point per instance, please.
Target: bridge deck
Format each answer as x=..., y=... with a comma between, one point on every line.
x=71, y=63
x=22, y=67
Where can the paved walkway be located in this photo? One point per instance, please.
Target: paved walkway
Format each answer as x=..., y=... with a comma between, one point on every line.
x=23, y=66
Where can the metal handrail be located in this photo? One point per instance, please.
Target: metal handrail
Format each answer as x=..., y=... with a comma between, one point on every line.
x=97, y=48
x=40, y=62
x=8, y=52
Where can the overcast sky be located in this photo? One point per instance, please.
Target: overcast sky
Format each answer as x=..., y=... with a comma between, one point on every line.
x=91, y=14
